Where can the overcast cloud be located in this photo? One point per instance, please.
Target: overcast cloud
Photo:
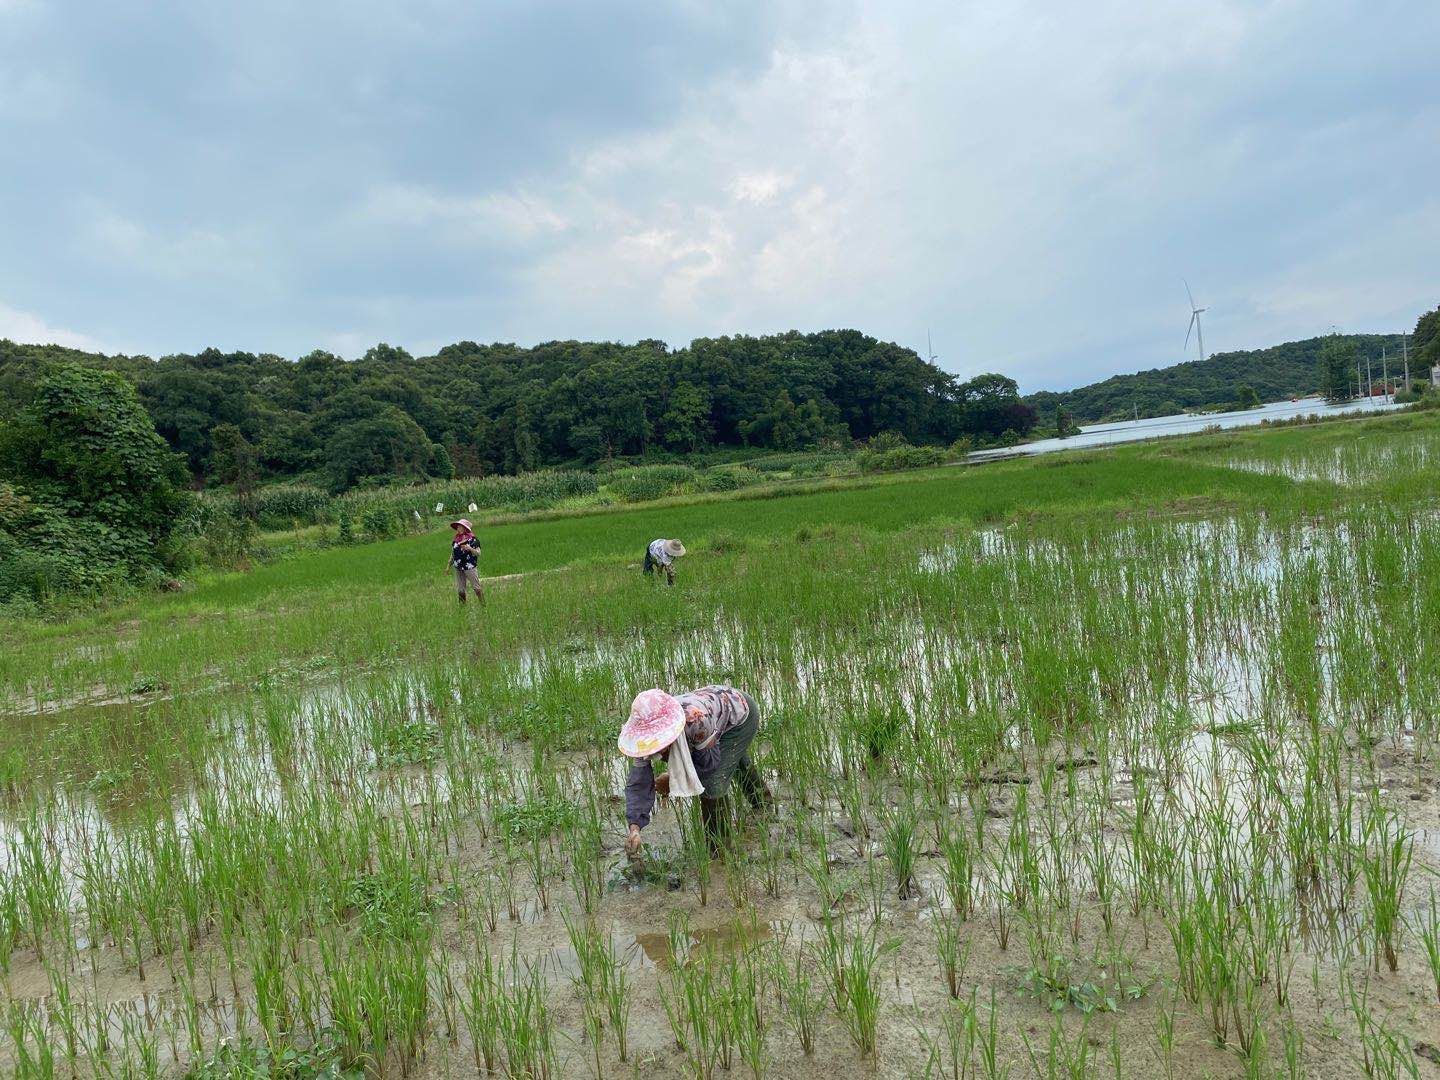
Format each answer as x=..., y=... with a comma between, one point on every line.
x=1029, y=182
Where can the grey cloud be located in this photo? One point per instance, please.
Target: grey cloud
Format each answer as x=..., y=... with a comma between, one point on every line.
x=1028, y=181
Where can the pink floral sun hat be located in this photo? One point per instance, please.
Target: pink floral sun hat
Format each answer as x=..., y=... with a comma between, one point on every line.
x=656, y=721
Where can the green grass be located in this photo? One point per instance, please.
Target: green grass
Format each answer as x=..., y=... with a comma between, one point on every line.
x=1139, y=767
x=983, y=495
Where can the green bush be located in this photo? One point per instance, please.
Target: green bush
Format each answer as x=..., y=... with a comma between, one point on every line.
x=730, y=478
x=901, y=457
x=381, y=522
x=650, y=482
x=91, y=498
x=800, y=463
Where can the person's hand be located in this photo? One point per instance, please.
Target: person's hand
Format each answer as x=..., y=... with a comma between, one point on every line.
x=632, y=842
x=662, y=785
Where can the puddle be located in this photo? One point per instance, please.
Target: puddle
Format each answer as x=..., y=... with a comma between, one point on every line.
x=656, y=951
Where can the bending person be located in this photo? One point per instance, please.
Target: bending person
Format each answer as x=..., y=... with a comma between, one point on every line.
x=704, y=737
x=661, y=555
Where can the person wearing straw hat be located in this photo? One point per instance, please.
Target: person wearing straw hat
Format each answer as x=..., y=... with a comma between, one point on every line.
x=661, y=556
x=465, y=557
x=704, y=738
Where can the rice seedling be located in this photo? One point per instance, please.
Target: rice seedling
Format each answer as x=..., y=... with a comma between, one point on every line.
x=853, y=961
x=1428, y=930
x=799, y=996
x=1173, y=720
x=525, y=1027
x=954, y=956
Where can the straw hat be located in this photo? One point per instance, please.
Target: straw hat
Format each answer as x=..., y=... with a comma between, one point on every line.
x=462, y=521
x=656, y=721
x=674, y=548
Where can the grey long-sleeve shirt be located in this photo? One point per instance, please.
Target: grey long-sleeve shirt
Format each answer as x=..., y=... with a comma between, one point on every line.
x=640, y=784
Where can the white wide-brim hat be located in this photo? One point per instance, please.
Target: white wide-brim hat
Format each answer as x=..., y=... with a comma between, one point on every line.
x=674, y=548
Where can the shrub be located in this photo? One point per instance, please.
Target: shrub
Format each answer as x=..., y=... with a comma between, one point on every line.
x=380, y=522
x=650, y=482
x=83, y=459
x=885, y=442
x=901, y=457
x=800, y=463
x=226, y=538
x=731, y=478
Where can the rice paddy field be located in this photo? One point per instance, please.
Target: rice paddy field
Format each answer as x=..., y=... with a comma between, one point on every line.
x=1111, y=764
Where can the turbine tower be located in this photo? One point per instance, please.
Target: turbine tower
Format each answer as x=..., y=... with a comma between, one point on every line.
x=1194, y=322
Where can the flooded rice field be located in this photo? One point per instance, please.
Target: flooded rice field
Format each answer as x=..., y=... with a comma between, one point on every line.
x=1152, y=796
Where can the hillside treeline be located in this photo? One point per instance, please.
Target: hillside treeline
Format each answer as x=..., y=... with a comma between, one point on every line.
x=479, y=409
x=1280, y=372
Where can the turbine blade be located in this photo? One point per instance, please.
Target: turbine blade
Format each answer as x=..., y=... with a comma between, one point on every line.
x=1189, y=329
x=1189, y=294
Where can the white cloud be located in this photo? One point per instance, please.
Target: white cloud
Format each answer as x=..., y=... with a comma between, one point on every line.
x=30, y=329
x=758, y=187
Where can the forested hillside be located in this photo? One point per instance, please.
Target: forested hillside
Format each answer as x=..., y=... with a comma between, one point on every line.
x=1276, y=373
x=480, y=409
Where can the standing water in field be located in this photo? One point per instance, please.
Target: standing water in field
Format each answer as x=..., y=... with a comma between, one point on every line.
x=1169, y=781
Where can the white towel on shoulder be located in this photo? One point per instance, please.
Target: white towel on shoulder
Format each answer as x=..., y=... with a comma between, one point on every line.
x=684, y=780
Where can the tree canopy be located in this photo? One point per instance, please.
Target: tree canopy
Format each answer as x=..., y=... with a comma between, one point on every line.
x=88, y=489
x=502, y=408
x=1274, y=374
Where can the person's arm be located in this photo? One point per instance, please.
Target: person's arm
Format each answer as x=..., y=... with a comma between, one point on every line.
x=706, y=761
x=639, y=801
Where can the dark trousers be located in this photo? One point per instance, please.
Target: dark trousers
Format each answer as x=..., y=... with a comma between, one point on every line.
x=653, y=567
x=735, y=765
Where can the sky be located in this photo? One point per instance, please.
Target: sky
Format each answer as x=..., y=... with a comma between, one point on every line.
x=1031, y=184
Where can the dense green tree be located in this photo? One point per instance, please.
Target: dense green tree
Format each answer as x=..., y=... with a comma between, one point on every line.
x=1425, y=342
x=686, y=422
x=91, y=488
x=185, y=404
x=1337, y=369
x=1283, y=371
x=992, y=406
x=1246, y=397
x=386, y=444
x=234, y=461
x=502, y=408
x=441, y=467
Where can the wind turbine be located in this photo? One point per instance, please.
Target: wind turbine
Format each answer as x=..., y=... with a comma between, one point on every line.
x=1194, y=322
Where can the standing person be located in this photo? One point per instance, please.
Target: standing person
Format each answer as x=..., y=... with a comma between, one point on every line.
x=704, y=737
x=464, y=557
x=661, y=555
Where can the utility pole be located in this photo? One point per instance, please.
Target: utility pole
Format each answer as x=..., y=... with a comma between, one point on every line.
x=1404, y=348
x=1369, y=385
x=1385, y=373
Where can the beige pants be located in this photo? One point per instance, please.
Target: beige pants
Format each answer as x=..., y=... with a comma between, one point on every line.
x=470, y=575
